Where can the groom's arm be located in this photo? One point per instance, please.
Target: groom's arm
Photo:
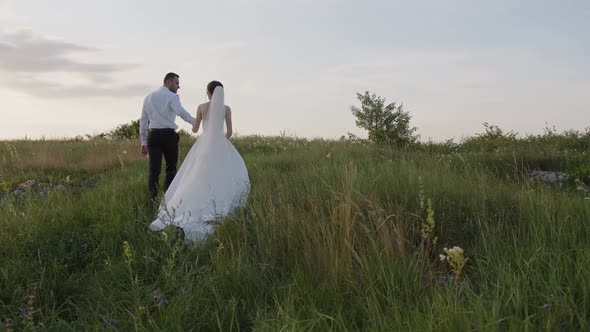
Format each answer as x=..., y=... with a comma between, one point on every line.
x=180, y=111
x=143, y=128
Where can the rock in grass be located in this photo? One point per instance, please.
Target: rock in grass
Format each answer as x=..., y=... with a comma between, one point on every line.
x=549, y=177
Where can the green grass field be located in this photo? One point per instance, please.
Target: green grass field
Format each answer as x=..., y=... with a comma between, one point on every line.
x=336, y=236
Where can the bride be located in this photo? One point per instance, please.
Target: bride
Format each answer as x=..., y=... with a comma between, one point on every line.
x=212, y=180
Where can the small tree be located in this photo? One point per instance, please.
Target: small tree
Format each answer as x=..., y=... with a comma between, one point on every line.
x=386, y=124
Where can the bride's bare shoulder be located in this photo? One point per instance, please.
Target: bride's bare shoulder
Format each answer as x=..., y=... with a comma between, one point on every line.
x=203, y=107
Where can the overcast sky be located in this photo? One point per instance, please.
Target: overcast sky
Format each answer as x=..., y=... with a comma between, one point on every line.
x=77, y=67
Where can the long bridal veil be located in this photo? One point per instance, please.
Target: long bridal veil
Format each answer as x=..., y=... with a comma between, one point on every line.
x=211, y=183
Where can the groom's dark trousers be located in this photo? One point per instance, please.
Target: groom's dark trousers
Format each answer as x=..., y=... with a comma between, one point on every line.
x=162, y=142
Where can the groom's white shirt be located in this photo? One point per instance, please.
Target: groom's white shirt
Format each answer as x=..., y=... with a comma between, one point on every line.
x=160, y=109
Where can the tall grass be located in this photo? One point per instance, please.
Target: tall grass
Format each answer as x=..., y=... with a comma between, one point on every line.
x=65, y=156
x=331, y=240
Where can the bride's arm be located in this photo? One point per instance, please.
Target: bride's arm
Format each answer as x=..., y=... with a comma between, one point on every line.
x=197, y=123
x=228, y=123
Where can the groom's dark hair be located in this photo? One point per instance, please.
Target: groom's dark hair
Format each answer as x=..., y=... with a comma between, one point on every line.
x=170, y=76
x=212, y=85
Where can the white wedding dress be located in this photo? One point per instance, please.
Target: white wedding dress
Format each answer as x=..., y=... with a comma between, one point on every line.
x=211, y=183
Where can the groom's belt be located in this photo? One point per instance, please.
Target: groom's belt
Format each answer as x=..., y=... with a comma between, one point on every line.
x=161, y=129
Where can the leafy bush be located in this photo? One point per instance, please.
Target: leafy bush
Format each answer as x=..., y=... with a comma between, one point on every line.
x=125, y=131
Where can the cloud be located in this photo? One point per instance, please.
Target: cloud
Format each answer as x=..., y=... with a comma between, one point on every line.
x=50, y=89
x=6, y=12
x=29, y=58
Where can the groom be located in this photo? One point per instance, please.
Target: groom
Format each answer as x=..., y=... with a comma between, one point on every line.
x=160, y=109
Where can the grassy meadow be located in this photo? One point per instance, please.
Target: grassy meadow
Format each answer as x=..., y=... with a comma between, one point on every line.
x=337, y=235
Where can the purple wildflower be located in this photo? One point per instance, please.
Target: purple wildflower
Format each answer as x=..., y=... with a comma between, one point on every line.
x=161, y=303
x=26, y=312
x=106, y=323
x=41, y=193
x=159, y=298
x=546, y=307
x=30, y=182
x=60, y=187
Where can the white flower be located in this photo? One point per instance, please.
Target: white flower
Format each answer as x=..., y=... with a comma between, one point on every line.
x=458, y=249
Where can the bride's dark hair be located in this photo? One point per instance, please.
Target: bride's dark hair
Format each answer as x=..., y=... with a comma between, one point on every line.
x=212, y=85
